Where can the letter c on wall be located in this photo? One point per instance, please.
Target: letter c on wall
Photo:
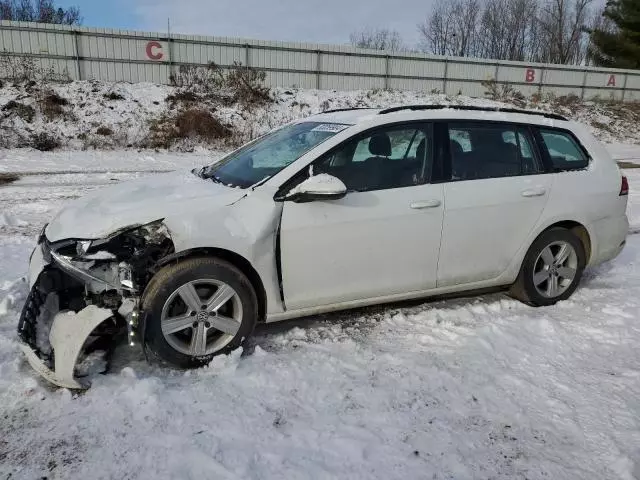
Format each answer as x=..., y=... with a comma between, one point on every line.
x=154, y=50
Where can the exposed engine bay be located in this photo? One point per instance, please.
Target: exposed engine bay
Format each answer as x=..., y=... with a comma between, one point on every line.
x=85, y=297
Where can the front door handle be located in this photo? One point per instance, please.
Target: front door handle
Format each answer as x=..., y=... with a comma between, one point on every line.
x=426, y=204
x=534, y=192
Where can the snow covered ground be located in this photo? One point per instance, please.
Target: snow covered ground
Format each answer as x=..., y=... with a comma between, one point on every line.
x=27, y=160
x=481, y=387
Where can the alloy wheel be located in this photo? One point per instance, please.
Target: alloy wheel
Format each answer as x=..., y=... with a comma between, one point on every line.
x=555, y=269
x=201, y=317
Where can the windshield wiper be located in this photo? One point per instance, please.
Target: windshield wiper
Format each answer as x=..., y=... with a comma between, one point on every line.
x=256, y=185
x=199, y=172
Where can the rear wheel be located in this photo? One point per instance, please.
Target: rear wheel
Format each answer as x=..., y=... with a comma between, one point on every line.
x=197, y=309
x=551, y=270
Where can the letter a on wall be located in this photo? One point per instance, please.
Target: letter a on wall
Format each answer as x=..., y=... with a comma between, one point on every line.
x=612, y=81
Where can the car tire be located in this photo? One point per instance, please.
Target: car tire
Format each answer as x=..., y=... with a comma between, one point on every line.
x=544, y=280
x=171, y=300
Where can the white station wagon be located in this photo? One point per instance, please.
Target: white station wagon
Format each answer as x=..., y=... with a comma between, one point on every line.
x=339, y=210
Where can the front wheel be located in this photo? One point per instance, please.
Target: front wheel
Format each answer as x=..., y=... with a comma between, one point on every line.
x=197, y=309
x=551, y=270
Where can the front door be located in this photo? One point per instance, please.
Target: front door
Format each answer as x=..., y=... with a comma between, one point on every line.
x=381, y=239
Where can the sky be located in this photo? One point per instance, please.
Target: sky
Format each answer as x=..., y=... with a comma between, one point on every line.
x=325, y=21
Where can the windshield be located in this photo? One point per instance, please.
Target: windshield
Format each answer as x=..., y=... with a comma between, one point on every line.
x=268, y=155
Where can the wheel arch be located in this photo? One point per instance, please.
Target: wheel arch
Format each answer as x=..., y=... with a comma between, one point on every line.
x=578, y=229
x=233, y=258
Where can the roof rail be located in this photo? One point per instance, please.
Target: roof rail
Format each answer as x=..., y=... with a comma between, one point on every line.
x=348, y=109
x=474, y=108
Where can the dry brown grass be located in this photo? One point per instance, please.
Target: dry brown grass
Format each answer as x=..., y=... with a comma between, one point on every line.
x=104, y=131
x=113, y=96
x=52, y=104
x=44, y=142
x=192, y=123
x=26, y=112
x=238, y=84
x=200, y=123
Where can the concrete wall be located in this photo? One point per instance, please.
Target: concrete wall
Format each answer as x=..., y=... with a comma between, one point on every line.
x=130, y=56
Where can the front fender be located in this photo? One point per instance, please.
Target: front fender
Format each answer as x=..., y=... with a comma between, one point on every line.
x=247, y=228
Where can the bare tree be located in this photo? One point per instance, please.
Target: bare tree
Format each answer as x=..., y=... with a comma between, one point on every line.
x=508, y=30
x=466, y=17
x=452, y=28
x=438, y=30
x=43, y=11
x=554, y=31
x=563, y=25
x=378, y=39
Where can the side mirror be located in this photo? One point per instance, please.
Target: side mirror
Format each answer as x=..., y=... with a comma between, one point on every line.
x=318, y=187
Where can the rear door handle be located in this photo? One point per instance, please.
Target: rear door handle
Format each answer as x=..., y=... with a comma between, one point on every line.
x=426, y=204
x=534, y=192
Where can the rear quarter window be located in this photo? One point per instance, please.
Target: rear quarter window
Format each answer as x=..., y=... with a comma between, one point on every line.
x=564, y=150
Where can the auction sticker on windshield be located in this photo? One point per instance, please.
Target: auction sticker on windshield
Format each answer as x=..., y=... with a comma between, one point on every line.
x=330, y=127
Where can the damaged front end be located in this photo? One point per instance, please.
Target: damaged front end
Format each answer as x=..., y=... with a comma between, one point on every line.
x=84, y=298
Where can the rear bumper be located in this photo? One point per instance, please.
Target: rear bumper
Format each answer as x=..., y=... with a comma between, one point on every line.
x=608, y=238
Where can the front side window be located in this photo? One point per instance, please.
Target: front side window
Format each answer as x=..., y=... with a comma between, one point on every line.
x=268, y=155
x=480, y=151
x=564, y=150
x=391, y=157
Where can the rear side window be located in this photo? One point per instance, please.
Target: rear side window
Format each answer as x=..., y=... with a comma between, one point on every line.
x=564, y=150
x=480, y=151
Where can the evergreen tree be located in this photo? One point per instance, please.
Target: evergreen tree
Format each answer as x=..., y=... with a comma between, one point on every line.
x=616, y=43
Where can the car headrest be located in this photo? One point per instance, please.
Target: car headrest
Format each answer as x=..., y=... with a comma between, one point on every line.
x=380, y=145
x=421, y=150
x=486, y=138
x=456, y=148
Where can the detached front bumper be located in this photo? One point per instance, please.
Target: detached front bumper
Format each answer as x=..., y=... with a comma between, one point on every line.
x=57, y=320
x=69, y=332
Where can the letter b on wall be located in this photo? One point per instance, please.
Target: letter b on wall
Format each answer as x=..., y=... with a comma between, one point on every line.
x=530, y=75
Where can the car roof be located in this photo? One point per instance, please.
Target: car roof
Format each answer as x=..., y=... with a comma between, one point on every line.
x=381, y=116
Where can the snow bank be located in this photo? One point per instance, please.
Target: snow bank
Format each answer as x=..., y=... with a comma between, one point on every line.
x=91, y=114
x=7, y=220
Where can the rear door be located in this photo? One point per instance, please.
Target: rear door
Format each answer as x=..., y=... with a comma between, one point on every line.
x=495, y=191
x=381, y=239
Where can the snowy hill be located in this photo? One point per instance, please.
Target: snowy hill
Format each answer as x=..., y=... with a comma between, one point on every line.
x=97, y=115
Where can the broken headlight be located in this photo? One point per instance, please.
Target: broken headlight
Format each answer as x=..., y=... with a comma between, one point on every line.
x=122, y=261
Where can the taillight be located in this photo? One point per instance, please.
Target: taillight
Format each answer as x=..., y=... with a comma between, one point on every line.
x=624, y=187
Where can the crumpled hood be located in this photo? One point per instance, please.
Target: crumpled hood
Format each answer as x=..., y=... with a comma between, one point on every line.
x=100, y=213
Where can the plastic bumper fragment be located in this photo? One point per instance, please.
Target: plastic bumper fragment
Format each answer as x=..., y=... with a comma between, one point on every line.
x=68, y=335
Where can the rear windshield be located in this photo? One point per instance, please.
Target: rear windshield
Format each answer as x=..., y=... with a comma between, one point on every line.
x=267, y=155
